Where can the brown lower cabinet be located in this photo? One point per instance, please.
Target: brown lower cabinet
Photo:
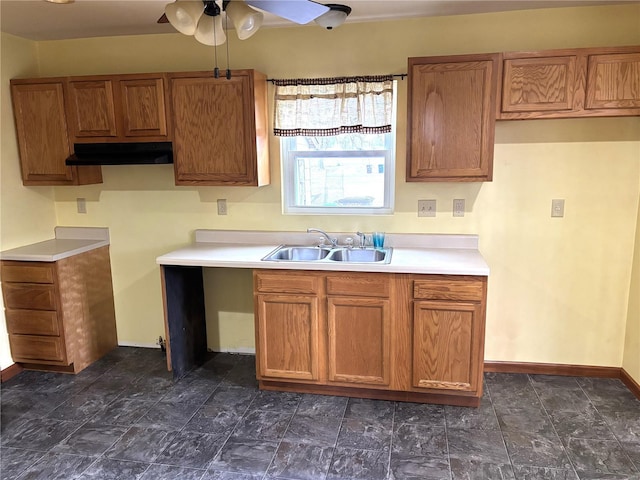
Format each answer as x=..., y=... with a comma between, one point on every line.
x=60, y=315
x=408, y=337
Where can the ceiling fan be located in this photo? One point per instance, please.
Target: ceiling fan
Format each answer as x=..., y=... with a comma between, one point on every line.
x=203, y=18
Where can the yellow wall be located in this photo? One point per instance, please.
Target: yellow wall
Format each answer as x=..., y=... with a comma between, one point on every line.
x=558, y=289
x=631, y=360
x=27, y=215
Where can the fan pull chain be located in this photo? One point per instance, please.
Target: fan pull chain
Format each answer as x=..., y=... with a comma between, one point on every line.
x=216, y=70
x=226, y=27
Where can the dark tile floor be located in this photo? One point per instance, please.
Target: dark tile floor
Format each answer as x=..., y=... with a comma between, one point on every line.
x=124, y=418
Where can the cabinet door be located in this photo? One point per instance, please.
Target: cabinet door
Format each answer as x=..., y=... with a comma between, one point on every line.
x=451, y=118
x=91, y=108
x=447, y=346
x=41, y=127
x=143, y=107
x=539, y=84
x=287, y=336
x=613, y=81
x=359, y=340
x=214, y=131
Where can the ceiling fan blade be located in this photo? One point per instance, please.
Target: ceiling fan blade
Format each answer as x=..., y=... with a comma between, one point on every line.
x=298, y=11
x=163, y=19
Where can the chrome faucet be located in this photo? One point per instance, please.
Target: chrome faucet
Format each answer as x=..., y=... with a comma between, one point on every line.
x=333, y=241
x=363, y=239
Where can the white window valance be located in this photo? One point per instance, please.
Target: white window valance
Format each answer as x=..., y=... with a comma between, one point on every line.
x=332, y=106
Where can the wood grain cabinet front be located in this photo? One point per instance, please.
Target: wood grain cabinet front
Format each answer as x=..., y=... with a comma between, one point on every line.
x=60, y=315
x=288, y=314
x=118, y=108
x=405, y=337
x=359, y=329
x=581, y=82
x=43, y=139
x=451, y=117
x=448, y=334
x=220, y=129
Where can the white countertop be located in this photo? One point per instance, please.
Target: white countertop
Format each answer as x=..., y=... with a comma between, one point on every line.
x=68, y=241
x=412, y=253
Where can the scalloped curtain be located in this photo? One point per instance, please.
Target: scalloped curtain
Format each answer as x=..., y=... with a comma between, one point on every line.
x=332, y=106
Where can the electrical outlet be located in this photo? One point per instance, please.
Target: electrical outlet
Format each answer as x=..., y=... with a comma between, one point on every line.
x=426, y=208
x=222, y=206
x=557, y=207
x=81, y=204
x=458, y=207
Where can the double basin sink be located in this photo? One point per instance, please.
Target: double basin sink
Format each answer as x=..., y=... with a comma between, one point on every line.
x=296, y=253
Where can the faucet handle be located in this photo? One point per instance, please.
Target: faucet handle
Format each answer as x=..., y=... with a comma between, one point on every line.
x=348, y=242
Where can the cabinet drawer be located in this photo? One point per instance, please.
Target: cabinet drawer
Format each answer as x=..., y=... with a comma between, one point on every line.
x=286, y=283
x=32, y=322
x=448, y=289
x=29, y=296
x=30, y=348
x=369, y=285
x=27, y=273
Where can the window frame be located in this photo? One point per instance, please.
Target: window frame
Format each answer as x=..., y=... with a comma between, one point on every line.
x=288, y=159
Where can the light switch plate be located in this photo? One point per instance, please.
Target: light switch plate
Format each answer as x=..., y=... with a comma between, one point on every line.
x=557, y=207
x=426, y=208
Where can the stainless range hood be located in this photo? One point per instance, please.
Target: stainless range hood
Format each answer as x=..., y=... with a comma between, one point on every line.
x=147, y=153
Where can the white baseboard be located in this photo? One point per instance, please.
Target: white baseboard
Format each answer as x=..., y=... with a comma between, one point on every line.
x=241, y=350
x=139, y=345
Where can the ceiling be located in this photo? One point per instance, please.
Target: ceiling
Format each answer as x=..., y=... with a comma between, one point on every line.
x=40, y=20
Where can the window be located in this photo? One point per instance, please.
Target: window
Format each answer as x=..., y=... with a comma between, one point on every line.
x=351, y=173
x=337, y=144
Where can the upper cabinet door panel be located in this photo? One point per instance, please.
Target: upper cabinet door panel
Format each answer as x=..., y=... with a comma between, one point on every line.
x=92, y=108
x=42, y=133
x=214, y=131
x=613, y=81
x=539, y=84
x=580, y=82
x=143, y=105
x=451, y=118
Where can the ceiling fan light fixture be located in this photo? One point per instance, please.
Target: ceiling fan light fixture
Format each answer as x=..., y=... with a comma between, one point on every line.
x=184, y=15
x=335, y=17
x=210, y=31
x=62, y=2
x=245, y=19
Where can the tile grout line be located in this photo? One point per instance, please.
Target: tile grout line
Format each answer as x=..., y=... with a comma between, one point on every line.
x=604, y=418
x=564, y=449
x=504, y=442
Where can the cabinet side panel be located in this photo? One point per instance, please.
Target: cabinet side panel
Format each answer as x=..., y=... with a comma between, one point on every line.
x=86, y=297
x=185, y=318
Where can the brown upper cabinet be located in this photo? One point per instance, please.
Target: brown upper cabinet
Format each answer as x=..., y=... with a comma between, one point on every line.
x=451, y=117
x=118, y=108
x=43, y=140
x=220, y=128
x=586, y=82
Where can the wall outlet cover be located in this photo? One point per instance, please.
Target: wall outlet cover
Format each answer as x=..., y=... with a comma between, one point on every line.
x=458, y=207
